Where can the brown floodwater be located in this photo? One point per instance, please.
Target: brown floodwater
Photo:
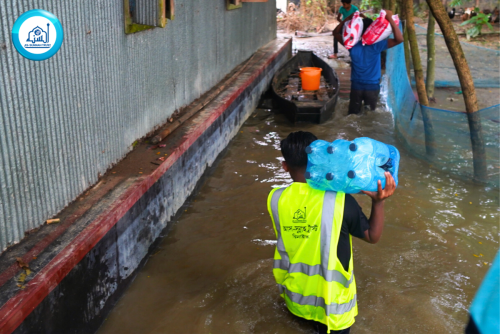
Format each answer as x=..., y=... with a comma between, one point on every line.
x=213, y=272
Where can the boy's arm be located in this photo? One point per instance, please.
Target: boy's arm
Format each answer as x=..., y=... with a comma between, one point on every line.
x=376, y=221
x=398, y=36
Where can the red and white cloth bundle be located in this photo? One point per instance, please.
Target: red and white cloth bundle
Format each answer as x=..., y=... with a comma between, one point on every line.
x=352, y=31
x=379, y=30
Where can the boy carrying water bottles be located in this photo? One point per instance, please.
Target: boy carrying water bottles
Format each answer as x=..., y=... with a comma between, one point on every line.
x=313, y=260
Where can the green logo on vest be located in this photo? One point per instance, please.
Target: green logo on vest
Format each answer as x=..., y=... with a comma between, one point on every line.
x=300, y=216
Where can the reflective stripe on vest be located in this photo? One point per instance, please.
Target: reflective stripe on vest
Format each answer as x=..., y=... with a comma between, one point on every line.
x=326, y=233
x=318, y=301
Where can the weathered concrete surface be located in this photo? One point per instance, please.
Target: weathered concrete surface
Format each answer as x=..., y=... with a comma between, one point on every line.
x=80, y=274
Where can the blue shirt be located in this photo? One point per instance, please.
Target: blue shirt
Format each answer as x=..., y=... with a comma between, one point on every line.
x=365, y=65
x=346, y=13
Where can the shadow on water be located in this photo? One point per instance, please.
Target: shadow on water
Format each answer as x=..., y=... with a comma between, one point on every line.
x=213, y=272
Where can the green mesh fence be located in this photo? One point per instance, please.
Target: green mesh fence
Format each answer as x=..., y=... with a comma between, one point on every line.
x=453, y=151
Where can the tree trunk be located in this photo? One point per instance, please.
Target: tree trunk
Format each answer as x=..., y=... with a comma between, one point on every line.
x=405, y=43
x=431, y=60
x=407, y=53
x=392, y=5
x=430, y=143
x=386, y=4
x=415, y=55
x=468, y=90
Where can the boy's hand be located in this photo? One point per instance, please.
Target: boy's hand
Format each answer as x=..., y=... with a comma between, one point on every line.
x=388, y=14
x=348, y=18
x=382, y=194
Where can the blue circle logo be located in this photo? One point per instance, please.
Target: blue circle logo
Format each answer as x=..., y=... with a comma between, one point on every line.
x=37, y=34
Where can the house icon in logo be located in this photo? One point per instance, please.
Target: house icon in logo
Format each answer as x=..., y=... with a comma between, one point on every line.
x=38, y=35
x=299, y=216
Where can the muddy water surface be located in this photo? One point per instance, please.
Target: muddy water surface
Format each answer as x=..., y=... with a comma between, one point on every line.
x=213, y=272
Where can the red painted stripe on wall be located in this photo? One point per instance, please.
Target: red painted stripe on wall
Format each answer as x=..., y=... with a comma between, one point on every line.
x=25, y=301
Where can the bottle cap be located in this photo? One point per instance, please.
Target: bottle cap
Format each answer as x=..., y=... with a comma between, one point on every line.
x=329, y=176
x=309, y=150
x=329, y=149
x=353, y=147
x=307, y=175
x=351, y=174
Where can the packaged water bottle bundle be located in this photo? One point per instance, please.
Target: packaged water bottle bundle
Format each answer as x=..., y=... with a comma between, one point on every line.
x=350, y=166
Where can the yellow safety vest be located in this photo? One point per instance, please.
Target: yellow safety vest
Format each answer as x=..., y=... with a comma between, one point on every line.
x=310, y=277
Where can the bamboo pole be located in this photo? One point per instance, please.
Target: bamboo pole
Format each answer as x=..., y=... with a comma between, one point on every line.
x=430, y=142
x=405, y=39
x=467, y=84
x=431, y=58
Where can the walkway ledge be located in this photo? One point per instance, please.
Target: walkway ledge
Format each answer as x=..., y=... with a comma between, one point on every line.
x=66, y=277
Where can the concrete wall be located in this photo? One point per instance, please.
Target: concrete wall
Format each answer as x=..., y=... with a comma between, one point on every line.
x=66, y=120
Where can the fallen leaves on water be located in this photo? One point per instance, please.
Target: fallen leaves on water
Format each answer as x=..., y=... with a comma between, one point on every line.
x=21, y=263
x=22, y=277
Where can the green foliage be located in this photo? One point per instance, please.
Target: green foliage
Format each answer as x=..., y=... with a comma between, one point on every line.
x=478, y=22
x=372, y=16
x=370, y=4
x=456, y=3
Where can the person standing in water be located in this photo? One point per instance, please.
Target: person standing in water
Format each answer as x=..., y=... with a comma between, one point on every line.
x=365, y=65
x=313, y=260
x=346, y=10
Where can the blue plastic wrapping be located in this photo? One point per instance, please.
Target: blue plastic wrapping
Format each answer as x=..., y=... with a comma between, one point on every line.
x=350, y=166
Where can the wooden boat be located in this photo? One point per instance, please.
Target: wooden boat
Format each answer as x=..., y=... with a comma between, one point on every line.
x=305, y=106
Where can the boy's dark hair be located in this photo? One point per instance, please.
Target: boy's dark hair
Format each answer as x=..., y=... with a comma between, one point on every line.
x=345, y=1
x=366, y=24
x=294, y=146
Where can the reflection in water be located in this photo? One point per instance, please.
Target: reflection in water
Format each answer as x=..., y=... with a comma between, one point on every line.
x=213, y=272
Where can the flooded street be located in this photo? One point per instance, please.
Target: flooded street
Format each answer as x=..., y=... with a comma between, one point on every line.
x=213, y=272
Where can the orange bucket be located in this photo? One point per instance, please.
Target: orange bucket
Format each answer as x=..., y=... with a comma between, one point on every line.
x=310, y=77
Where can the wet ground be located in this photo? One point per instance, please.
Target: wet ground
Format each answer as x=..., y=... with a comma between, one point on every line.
x=213, y=272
